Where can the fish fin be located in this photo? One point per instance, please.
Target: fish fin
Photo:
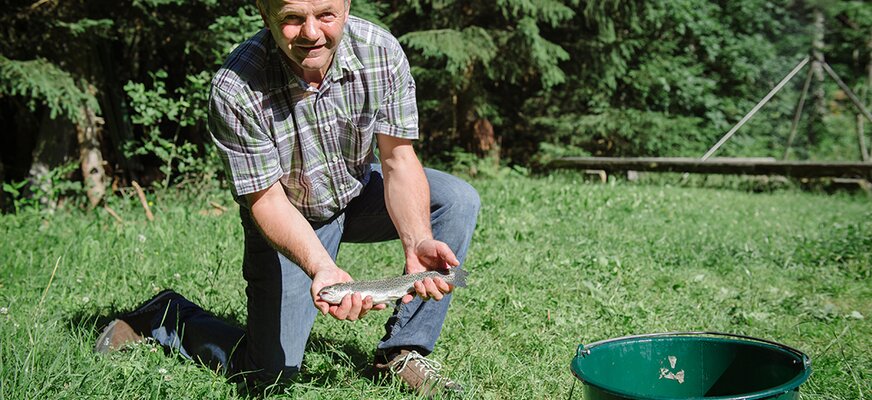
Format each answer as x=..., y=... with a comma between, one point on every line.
x=459, y=277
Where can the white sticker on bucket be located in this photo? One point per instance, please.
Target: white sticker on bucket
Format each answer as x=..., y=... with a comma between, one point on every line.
x=666, y=373
x=677, y=376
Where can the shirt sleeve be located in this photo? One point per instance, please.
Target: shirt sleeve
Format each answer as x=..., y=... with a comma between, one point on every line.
x=249, y=154
x=398, y=111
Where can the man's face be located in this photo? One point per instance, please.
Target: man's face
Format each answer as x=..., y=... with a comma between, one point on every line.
x=307, y=31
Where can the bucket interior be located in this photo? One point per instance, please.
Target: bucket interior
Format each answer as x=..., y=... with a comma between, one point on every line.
x=688, y=367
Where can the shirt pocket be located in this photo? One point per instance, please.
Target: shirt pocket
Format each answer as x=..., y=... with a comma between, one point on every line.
x=357, y=140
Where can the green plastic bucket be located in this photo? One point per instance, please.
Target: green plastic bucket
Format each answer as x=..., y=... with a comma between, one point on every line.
x=689, y=365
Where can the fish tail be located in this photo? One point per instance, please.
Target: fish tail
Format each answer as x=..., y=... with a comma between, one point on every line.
x=459, y=277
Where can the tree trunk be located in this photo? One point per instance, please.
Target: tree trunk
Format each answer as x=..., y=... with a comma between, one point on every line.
x=819, y=106
x=117, y=129
x=868, y=95
x=51, y=150
x=476, y=132
x=865, y=99
x=2, y=192
x=90, y=156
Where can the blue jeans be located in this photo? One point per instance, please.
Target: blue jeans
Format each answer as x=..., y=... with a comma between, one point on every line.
x=280, y=309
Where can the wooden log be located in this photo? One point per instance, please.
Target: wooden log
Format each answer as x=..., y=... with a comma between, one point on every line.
x=143, y=200
x=113, y=214
x=752, y=166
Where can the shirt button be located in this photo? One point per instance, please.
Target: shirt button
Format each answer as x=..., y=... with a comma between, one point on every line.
x=326, y=128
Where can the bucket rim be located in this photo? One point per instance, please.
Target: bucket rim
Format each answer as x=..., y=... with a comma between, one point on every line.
x=788, y=386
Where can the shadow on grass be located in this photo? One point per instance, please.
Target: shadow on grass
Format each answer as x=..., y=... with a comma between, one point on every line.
x=342, y=355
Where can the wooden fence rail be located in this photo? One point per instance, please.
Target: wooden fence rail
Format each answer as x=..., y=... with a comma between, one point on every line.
x=738, y=166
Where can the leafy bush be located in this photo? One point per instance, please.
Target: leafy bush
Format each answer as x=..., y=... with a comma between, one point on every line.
x=166, y=116
x=153, y=108
x=45, y=192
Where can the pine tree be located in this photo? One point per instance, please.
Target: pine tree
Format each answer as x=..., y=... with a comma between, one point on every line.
x=473, y=61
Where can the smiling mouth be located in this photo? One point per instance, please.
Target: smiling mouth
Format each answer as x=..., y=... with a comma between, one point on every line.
x=310, y=48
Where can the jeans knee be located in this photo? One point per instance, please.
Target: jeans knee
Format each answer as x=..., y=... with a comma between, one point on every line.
x=473, y=201
x=464, y=199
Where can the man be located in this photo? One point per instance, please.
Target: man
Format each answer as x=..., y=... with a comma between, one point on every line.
x=296, y=112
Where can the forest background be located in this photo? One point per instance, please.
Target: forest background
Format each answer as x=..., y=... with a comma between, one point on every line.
x=95, y=95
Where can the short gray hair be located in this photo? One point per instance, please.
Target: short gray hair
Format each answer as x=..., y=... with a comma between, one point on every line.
x=264, y=4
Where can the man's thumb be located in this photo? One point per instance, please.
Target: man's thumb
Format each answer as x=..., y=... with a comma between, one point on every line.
x=448, y=256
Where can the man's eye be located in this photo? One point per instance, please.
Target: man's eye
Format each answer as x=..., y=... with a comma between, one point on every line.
x=293, y=19
x=327, y=17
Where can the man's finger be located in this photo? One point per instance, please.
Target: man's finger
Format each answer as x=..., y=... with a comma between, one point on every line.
x=427, y=283
x=366, y=305
x=421, y=290
x=356, y=305
x=446, y=254
x=432, y=289
x=342, y=311
x=441, y=285
x=408, y=298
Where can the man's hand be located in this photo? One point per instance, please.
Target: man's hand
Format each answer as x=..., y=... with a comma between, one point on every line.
x=352, y=306
x=430, y=255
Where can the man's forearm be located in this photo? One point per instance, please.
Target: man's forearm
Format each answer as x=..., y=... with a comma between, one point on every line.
x=407, y=197
x=287, y=230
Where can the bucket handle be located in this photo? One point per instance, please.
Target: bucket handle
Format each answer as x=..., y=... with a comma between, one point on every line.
x=584, y=350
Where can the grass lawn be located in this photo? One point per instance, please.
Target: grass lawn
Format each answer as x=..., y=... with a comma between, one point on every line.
x=555, y=262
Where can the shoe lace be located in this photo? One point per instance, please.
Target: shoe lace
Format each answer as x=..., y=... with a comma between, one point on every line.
x=430, y=368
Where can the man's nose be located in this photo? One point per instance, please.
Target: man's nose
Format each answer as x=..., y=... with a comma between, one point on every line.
x=311, y=28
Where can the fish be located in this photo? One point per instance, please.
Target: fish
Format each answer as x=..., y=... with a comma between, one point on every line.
x=388, y=290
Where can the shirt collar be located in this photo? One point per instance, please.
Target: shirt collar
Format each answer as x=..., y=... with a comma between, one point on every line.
x=344, y=60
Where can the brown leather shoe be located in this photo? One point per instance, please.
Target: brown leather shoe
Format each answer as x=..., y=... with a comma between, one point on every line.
x=420, y=373
x=116, y=335
x=132, y=327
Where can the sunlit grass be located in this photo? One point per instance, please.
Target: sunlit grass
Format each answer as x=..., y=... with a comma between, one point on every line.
x=556, y=261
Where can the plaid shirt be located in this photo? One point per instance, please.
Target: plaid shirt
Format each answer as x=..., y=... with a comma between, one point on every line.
x=318, y=143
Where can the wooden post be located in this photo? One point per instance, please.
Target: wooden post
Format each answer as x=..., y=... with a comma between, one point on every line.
x=798, y=114
x=861, y=135
x=755, y=109
x=849, y=92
